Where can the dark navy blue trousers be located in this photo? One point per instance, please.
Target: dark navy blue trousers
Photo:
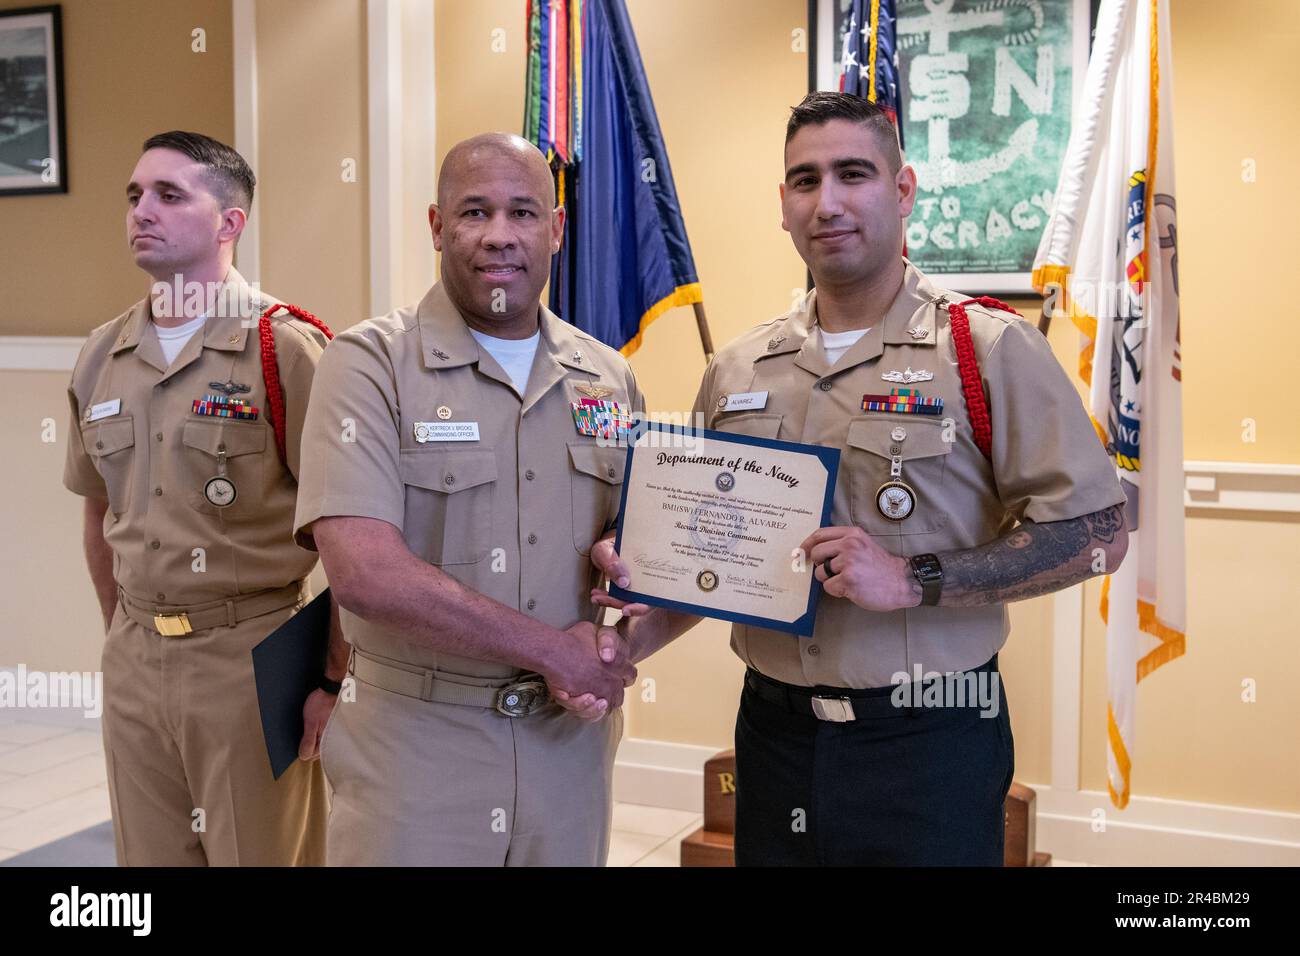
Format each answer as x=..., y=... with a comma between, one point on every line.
x=919, y=786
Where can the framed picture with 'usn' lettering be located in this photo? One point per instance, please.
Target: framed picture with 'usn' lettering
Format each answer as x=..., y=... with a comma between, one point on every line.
x=987, y=88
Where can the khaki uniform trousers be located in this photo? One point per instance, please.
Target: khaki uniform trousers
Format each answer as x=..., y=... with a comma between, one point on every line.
x=182, y=732
x=424, y=783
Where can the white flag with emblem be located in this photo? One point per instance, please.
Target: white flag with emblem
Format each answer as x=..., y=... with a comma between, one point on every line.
x=1109, y=260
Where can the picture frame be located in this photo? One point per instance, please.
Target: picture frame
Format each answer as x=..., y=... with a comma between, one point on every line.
x=986, y=124
x=33, y=127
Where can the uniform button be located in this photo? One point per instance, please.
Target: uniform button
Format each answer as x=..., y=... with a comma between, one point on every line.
x=155, y=544
x=221, y=446
x=158, y=436
x=532, y=539
x=157, y=491
x=824, y=386
x=99, y=444
x=161, y=596
x=532, y=603
x=612, y=472
x=895, y=449
x=814, y=650
x=449, y=480
x=529, y=474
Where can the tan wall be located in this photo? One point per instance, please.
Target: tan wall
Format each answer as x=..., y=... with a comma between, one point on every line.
x=311, y=58
x=128, y=72
x=479, y=88
x=1197, y=739
x=419, y=170
x=1235, y=82
x=51, y=620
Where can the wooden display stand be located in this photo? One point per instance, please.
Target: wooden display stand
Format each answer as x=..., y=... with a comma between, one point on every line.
x=1018, y=819
x=714, y=843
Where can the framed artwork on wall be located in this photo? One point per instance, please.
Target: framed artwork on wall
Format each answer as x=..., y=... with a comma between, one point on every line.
x=988, y=87
x=33, y=144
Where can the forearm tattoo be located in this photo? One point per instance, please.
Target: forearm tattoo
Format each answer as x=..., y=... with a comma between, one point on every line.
x=1031, y=560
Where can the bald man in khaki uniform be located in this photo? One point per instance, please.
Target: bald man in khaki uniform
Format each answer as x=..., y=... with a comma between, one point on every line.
x=455, y=494
x=189, y=536
x=849, y=748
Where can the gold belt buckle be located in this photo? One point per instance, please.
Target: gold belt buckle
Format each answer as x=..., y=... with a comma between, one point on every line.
x=173, y=625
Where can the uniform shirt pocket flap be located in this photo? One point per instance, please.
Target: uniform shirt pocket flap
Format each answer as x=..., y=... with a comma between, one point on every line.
x=922, y=439
x=104, y=438
x=604, y=463
x=233, y=438
x=437, y=469
x=753, y=424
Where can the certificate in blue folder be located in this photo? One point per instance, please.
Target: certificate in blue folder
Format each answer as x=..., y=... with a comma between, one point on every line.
x=711, y=522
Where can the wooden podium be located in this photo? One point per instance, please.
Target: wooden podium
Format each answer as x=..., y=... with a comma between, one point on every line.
x=714, y=843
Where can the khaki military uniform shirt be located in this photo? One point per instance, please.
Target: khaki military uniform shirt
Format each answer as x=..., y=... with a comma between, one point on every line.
x=1047, y=465
x=152, y=456
x=512, y=514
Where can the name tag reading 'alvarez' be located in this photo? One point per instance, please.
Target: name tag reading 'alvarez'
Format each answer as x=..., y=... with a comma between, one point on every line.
x=739, y=401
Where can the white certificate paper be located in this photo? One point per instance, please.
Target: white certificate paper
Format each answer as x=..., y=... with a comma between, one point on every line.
x=711, y=522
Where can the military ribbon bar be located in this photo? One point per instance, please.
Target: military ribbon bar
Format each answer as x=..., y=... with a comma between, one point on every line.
x=599, y=418
x=221, y=406
x=906, y=401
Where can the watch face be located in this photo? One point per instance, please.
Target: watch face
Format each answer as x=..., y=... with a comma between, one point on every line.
x=895, y=500
x=927, y=567
x=219, y=492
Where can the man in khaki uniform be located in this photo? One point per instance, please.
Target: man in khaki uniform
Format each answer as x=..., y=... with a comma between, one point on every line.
x=188, y=528
x=456, y=473
x=848, y=749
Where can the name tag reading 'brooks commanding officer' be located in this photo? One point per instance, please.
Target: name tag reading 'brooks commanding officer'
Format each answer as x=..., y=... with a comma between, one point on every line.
x=712, y=522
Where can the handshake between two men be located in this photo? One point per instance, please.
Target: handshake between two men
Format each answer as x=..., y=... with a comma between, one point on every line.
x=845, y=560
x=592, y=684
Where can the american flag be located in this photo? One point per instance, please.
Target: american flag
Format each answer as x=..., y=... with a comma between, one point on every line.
x=869, y=56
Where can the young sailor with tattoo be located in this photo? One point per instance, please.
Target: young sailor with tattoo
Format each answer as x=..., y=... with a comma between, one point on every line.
x=970, y=476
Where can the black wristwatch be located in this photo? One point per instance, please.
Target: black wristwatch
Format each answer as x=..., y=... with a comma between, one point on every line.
x=330, y=686
x=929, y=574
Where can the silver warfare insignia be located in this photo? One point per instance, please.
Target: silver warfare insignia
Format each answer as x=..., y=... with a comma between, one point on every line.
x=907, y=377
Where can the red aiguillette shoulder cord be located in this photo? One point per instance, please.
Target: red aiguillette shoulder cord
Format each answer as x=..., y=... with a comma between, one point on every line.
x=968, y=366
x=271, y=371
